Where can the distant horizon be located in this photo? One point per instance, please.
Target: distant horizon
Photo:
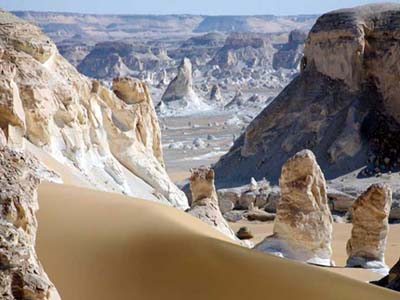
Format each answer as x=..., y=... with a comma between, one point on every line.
x=182, y=7
x=153, y=14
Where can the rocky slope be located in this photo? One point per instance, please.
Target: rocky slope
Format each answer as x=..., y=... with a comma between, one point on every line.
x=343, y=106
x=111, y=139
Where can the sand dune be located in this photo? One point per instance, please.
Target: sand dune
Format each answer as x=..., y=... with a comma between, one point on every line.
x=97, y=245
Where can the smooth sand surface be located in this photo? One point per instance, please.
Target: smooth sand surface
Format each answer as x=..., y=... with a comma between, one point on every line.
x=97, y=245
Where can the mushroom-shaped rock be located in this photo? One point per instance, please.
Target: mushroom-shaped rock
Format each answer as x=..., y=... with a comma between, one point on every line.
x=303, y=224
x=205, y=201
x=370, y=212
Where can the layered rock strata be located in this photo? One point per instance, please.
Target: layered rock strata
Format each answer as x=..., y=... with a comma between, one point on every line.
x=344, y=105
x=370, y=218
x=303, y=224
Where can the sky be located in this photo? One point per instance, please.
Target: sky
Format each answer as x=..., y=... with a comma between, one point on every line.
x=205, y=7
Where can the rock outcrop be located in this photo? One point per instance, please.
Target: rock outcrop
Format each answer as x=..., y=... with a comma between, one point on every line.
x=205, y=201
x=179, y=95
x=303, y=224
x=370, y=218
x=112, y=141
x=21, y=274
x=391, y=280
x=289, y=55
x=344, y=105
x=215, y=94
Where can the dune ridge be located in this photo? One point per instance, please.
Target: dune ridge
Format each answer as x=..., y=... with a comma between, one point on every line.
x=99, y=245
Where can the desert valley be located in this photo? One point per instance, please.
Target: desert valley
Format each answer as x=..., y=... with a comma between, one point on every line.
x=185, y=156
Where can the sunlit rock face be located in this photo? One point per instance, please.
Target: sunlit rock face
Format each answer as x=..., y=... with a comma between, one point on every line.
x=180, y=97
x=112, y=139
x=370, y=218
x=303, y=223
x=344, y=105
x=205, y=202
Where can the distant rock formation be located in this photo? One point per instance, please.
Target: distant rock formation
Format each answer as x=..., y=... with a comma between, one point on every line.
x=250, y=49
x=303, y=224
x=119, y=58
x=21, y=274
x=370, y=218
x=343, y=106
x=112, y=142
x=290, y=54
x=205, y=201
x=391, y=280
x=215, y=94
x=237, y=101
x=179, y=95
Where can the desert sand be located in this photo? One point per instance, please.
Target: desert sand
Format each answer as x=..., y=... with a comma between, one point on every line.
x=99, y=245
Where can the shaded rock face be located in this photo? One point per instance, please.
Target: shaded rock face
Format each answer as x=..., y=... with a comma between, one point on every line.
x=22, y=276
x=343, y=106
x=290, y=54
x=179, y=95
x=205, y=201
x=303, y=223
x=370, y=217
x=113, y=143
x=392, y=280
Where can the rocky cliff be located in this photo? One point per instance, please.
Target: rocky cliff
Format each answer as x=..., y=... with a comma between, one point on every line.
x=22, y=276
x=112, y=140
x=344, y=105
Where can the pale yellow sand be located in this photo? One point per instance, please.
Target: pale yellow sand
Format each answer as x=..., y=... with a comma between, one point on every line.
x=97, y=245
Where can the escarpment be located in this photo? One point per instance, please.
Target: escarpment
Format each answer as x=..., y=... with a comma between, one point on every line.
x=111, y=140
x=344, y=105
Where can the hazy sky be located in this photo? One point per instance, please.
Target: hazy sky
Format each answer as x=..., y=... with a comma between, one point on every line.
x=209, y=7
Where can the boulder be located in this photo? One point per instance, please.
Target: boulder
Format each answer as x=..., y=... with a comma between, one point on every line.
x=391, y=280
x=303, y=224
x=370, y=217
x=244, y=233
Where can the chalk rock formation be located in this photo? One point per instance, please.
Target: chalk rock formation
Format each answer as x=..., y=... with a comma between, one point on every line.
x=215, y=94
x=392, y=280
x=344, y=106
x=179, y=95
x=370, y=217
x=112, y=141
x=21, y=276
x=303, y=223
x=205, y=201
